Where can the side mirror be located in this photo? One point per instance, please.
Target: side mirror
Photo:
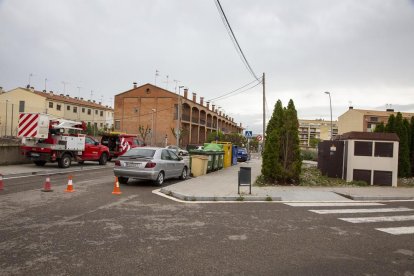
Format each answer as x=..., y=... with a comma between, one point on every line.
x=96, y=143
x=180, y=158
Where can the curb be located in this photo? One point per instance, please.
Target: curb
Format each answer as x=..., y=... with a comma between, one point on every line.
x=219, y=198
x=374, y=198
x=51, y=172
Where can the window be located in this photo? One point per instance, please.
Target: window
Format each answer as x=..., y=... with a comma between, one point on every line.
x=50, y=105
x=83, y=110
x=96, y=112
x=374, y=119
x=21, y=106
x=384, y=149
x=89, y=111
x=117, y=124
x=383, y=178
x=101, y=113
x=58, y=107
x=362, y=175
x=363, y=148
x=101, y=124
x=68, y=107
x=75, y=109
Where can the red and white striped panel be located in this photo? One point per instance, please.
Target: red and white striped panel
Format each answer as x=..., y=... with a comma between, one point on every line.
x=28, y=124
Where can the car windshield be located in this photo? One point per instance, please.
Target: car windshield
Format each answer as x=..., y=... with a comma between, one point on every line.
x=139, y=152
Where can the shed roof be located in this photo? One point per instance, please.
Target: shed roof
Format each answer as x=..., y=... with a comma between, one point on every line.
x=359, y=135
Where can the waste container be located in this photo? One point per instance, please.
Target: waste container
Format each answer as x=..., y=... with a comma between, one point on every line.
x=199, y=165
x=220, y=159
x=227, y=148
x=213, y=151
x=234, y=155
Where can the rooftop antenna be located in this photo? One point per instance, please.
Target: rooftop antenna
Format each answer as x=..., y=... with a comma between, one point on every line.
x=64, y=86
x=45, y=84
x=176, y=82
x=30, y=78
x=111, y=101
x=102, y=99
x=79, y=89
x=157, y=73
x=91, y=94
x=167, y=82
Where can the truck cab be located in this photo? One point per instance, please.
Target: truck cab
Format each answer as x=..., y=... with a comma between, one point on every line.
x=119, y=143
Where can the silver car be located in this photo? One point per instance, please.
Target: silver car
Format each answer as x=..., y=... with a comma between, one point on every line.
x=150, y=163
x=177, y=150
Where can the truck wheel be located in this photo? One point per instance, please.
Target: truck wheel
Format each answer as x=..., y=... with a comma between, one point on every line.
x=123, y=180
x=40, y=163
x=65, y=161
x=103, y=159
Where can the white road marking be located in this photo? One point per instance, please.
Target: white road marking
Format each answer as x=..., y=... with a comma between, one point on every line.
x=397, y=230
x=350, y=211
x=328, y=204
x=378, y=219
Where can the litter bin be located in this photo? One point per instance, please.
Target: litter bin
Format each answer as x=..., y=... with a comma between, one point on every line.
x=234, y=155
x=227, y=148
x=199, y=165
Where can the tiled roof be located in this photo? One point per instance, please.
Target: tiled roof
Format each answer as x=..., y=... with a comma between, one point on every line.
x=358, y=135
x=66, y=99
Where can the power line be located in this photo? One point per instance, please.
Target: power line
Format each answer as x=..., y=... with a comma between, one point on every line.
x=247, y=89
x=234, y=39
x=233, y=91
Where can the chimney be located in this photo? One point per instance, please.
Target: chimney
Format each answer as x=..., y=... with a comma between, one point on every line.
x=194, y=97
x=76, y=98
x=44, y=91
x=32, y=89
x=208, y=105
x=100, y=103
x=1, y=89
x=390, y=110
x=213, y=107
x=61, y=95
x=185, y=93
x=135, y=85
x=220, y=113
x=351, y=107
x=201, y=100
x=51, y=92
x=67, y=95
x=93, y=101
x=81, y=99
x=240, y=124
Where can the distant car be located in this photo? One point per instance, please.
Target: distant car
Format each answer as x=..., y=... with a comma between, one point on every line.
x=119, y=143
x=177, y=150
x=199, y=148
x=150, y=163
x=242, y=155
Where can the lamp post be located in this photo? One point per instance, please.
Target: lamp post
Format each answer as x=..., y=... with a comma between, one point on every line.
x=152, y=127
x=177, y=133
x=330, y=106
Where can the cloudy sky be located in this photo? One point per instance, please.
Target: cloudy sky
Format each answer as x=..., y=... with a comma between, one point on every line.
x=360, y=51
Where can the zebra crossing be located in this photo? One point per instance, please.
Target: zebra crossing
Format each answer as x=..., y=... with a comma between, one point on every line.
x=377, y=210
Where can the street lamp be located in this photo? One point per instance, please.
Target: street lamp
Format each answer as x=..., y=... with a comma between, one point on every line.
x=330, y=105
x=177, y=134
x=152, y=127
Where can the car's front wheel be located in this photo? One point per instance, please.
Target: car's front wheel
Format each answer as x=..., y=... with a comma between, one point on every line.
x=160, y=179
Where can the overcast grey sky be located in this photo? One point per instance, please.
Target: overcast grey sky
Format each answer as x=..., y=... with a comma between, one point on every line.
x=359, y=50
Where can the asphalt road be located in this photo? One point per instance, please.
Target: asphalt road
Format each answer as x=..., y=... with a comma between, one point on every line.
x=92, y=232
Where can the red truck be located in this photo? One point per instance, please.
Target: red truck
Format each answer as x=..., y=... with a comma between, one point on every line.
x=119, y=143
x=46, y=139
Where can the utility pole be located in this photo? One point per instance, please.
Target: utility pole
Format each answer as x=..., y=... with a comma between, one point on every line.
x=264, y=111
x=45, y=85
x=177, y=133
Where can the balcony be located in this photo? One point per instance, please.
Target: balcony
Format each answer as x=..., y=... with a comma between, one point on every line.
x=185, y=117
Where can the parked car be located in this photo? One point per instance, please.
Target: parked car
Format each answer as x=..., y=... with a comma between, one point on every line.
x=119, y=143
x=242, y=155
x=150, y=163
x=177, y=150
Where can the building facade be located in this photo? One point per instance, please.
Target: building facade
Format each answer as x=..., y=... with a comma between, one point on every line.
x=58, y=105
x=151, y=107
x=365, y=120
x=316, y=129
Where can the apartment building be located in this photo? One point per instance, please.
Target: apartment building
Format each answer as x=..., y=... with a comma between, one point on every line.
x=149, y=106
x=58, y=105
x=316, y=129
x=365, y=120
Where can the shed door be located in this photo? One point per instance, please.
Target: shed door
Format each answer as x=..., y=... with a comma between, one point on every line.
x=383, y=178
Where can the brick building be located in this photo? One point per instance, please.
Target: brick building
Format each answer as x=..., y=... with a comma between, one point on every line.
x=156, y=108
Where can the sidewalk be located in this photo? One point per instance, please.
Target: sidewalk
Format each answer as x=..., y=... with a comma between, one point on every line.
x=222, y=186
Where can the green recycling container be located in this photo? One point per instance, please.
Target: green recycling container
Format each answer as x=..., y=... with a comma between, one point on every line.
x=213, y=152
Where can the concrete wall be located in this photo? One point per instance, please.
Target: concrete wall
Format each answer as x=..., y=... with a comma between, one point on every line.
x=10, y=154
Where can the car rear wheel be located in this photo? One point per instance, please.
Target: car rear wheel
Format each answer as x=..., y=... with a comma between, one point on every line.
x=103, y=159
x=184, y=174
x=123, y=180
x=65, y=161
x=160, y=179
x=40, y=163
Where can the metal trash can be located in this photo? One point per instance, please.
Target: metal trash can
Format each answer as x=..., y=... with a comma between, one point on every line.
x=245, y=178
x=199, y=165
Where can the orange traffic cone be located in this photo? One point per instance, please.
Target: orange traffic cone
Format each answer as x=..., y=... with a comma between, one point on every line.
x=1, y=182
x=116, y=191
x=69, y=188
x=47, y=186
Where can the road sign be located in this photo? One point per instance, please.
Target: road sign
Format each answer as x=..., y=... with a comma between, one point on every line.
x=248, y=134
x=259, y=138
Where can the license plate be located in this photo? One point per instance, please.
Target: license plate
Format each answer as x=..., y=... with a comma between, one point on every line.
x=135, y=165
x=35, y=154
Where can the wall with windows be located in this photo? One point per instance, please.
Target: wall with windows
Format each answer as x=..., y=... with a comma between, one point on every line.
x=373, y=161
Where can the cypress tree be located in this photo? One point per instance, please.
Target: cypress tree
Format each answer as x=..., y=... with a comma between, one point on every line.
x=412, y=145
x=380, y=127
x=404, y=167
x=390, y=127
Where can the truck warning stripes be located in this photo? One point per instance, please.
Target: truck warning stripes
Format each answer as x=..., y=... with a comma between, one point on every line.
x=28, y=123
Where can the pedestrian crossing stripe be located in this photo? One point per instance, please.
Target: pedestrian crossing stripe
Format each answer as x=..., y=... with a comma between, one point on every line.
x=333, y=204
x=378, y=219
x=351, y=211
x=397, y=230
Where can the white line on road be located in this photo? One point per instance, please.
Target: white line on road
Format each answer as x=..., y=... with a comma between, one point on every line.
x=397, y=230
x=378, y=219
x=328, y=204
x=350, y=211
